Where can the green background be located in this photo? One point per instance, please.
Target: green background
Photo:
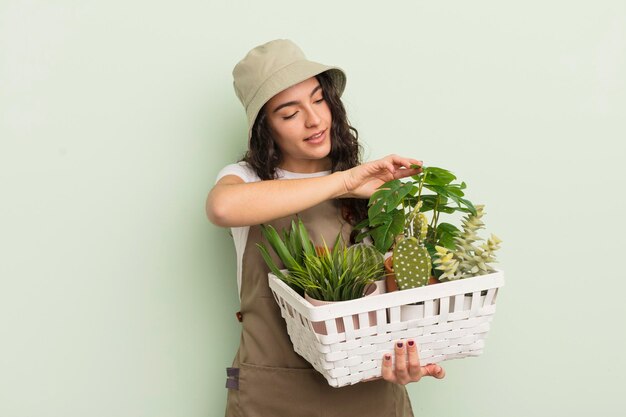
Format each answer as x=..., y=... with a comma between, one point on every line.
x=117, y=296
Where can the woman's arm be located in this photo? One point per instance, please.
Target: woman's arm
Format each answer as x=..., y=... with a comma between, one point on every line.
x=233, y=203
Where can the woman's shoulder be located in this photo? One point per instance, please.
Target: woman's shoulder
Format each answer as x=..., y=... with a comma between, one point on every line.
x=244, y=171
x=240, y=169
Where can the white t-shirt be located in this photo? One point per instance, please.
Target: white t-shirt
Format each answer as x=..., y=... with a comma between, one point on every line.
x=245, y=172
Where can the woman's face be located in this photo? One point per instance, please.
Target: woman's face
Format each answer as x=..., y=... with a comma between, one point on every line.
x=300, y=120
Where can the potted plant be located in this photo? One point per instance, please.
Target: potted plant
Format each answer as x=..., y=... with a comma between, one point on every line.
x=426, y=252
x=318, y=333
x=323, y=275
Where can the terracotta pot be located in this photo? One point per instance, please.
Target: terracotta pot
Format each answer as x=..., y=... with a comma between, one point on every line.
x=390, y=275
x=320, y=326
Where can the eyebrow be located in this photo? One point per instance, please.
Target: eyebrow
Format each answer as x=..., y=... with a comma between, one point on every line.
x=293, y=103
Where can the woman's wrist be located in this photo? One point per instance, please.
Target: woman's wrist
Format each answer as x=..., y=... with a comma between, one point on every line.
x=340, y=184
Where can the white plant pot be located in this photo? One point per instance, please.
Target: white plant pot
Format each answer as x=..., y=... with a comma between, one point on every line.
x=381, y=284
x=419, y=310
x=320, y=326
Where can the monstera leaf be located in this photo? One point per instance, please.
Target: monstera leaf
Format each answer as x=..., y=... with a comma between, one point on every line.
x=385, y=227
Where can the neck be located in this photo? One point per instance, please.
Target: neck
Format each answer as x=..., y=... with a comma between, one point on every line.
x=306, y=166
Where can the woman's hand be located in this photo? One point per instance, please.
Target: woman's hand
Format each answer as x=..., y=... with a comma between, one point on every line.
x=361, y=181
x=413, y=372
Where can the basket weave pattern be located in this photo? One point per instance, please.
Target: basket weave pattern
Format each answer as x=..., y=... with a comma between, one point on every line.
x=451, y=321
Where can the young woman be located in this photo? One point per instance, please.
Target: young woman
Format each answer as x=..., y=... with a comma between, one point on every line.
x=303, y=158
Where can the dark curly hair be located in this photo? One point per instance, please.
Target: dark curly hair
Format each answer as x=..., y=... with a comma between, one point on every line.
x=264, y=155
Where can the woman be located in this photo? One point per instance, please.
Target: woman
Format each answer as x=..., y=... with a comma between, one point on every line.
x=303, y=159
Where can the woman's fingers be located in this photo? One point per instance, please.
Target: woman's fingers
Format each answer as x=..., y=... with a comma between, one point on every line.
x=401, y=161
x=361, y=181
x=403, y=166
x=395, y=167
x=403, y=372
x=433, y=370
x=388, y=373
x=414, y=361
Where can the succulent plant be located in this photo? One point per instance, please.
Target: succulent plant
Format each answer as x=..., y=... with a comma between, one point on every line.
x=291, y=248
x=328, y=274
x=468, y=259
x=336, y=275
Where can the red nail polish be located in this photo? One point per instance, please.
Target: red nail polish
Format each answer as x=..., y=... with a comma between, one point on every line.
x=399, y=344
x=411, y=343
x=387, y=357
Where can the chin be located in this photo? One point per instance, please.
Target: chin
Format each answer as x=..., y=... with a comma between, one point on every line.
x=324, y=153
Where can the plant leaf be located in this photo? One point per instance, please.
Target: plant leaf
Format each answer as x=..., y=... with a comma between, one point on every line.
x=388, y=197
x=437, y=176
x=305, y=240
x=385, y=233
x=270, y=262
x=279, y=246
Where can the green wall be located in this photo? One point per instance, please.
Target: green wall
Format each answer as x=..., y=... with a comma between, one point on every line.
x=117, y=296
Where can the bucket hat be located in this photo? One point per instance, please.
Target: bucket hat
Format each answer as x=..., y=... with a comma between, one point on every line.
x=271, y=68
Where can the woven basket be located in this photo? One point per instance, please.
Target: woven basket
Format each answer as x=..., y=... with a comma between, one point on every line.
x=452, y=322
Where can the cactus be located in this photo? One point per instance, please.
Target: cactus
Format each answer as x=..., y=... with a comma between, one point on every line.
x=411, y=264
x=417, y=224
x=420, y=227
x=367, y=254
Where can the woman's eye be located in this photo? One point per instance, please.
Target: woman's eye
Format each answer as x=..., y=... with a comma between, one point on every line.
x=320, y=100
x=289, y=117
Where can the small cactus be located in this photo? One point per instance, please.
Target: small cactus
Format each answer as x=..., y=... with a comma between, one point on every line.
x=411, y=264
x=420, y=227
x=366, y=254
x=417, y=223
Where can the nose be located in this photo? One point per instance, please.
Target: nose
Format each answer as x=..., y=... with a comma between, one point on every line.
x=312, y=118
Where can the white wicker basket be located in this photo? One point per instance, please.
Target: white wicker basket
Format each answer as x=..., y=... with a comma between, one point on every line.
x=452, y=323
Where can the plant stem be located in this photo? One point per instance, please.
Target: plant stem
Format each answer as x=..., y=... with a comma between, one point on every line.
x=433, y=222
x=419, y=191
x=415, y=211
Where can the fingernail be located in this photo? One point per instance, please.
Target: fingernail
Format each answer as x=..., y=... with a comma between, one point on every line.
x=387, y=357
x=411, y=343
x=399, y=344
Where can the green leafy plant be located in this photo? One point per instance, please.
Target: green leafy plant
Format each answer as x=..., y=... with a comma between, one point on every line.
x=335, y=274
x=397, y=219
x=394, y=208
x=292, y=248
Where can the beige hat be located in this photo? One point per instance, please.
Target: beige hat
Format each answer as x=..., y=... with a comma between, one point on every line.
x=271, y=68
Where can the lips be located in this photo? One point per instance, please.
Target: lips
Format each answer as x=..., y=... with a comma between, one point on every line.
x=316, y=135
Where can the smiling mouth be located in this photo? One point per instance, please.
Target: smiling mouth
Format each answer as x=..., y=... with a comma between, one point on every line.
x=316, y=136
